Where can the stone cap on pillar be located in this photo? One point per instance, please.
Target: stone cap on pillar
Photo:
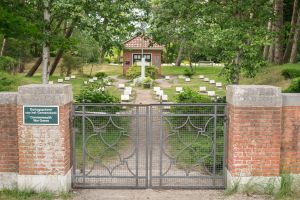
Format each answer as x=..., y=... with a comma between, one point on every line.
x=8, y=98
x=291, y=99
x=254, y=96
x=45, y=94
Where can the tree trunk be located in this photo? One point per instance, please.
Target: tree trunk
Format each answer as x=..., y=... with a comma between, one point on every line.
x=293, y=58
x=102, y=54
x=288, y=49
x=56, y=61
x=91, y=71
x=267, y=47
x=46, y=45
x=21, y=67
x=4, y=42
x=61, y=51
x=190, y=60
x=69, y=70
x=236, y=67
x=278, y=52
x=271, y=53
x=119, y=57
x=34, y=67
x=180, y=52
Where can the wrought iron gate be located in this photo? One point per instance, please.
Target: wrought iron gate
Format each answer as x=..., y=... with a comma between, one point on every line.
x=143, y=146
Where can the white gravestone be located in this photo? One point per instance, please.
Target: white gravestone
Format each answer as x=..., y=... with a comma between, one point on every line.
x=201, y=77
x=91, y=80
x=202, y=89
x=179, y=89
x=73, y=76
x=67, y=78
x=156, y=89
x=164, y=97
x=124, y=97
x=211, y=93
x=206, y=80
x=187, y=80
x=160, y=93
x=121, y=86
x=219, y=84
x=128, y=88
x=51, y=82
x=95, y=78
x=212, y=81
x=85, y=82
x=127, y=92
x=60, y=80
x=167, y=77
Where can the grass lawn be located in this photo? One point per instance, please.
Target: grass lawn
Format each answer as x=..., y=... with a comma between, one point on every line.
x=270, y=75
x=21, y=79
x=14, y=194
x=212, y=73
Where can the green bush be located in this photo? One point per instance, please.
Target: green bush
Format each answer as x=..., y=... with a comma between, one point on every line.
x=101, y=75
x=191, y=96
x=189, y=72
x=7, y=64
x=147, y=83
x=152, y=71
x=70, y=63
x=95, y=93
x=135, y=71
x=294, y=86
x=7, y=81
x=290, y=73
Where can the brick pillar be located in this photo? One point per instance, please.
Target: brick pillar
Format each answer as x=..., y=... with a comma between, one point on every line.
x=44, y=150
x=254, y=134
x=9, y=161
x=290, y=150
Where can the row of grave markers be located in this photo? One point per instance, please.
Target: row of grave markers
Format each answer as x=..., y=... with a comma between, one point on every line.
x=61, y=80
x=160, y=94
x=218, y=84
x=126, y=93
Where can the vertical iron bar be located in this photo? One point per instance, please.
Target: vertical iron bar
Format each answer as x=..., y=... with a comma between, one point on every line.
x=83, y=142
x=73, y=146
x=161, y=145
x=150, y=140
x=214, y=144
x=225, y=144
x=147, y=136
x=137, y=146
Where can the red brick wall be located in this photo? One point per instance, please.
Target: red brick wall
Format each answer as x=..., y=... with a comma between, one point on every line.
x=290, y=151
x=9, y=161
x=127, y=56
x=254, y=141
x=41, y=150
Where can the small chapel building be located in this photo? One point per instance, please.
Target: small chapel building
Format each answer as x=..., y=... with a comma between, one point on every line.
x=140, y=45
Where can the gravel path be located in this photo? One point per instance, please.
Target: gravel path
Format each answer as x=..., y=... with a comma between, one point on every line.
x=150, y=194
x=118, y=80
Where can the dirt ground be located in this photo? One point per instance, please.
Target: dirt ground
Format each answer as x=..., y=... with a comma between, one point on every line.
x=149, y=194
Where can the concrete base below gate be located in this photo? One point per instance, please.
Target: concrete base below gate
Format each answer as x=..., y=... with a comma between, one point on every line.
x=51, y=183
x=258, y=183
x=8, y=180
